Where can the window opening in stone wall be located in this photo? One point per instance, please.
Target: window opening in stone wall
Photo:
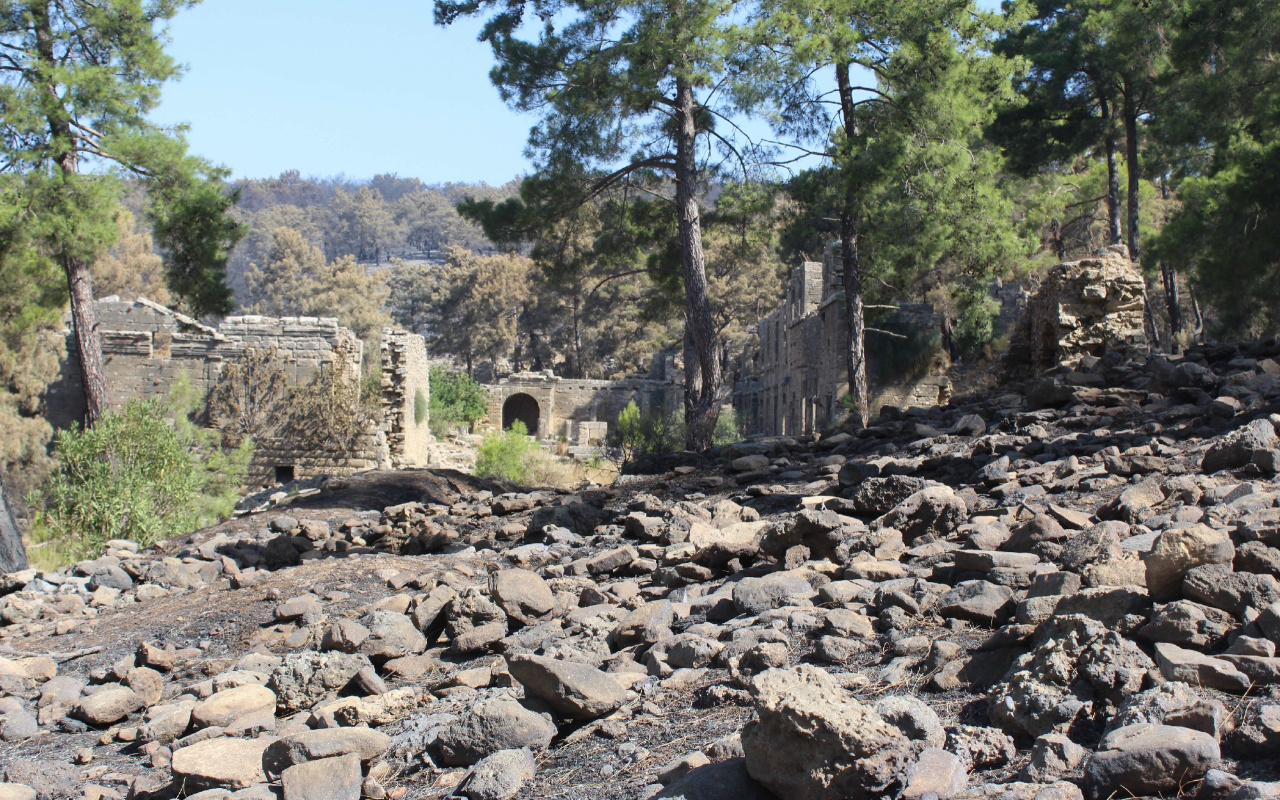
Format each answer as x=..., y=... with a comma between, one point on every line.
x=284, y=473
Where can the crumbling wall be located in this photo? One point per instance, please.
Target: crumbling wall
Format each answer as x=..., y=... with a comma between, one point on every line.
x=798, y=377
x=147, y=348
x=581, y=411
x=406, y=395
x=1082, y=308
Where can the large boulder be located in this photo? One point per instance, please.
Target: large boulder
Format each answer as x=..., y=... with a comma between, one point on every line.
x=299, y=748
x=108, y=705
x=391, y=635
x=490, y=725
x=1251, y=444
x=573, y=690
x=1216, y=585
x=811, y=741
x=877, y=496
x=499, y=776
x=757, y=595
x=223, y=763
x=1146, y=759
x=327, y=779
x=1188, y=666
x=821, y=531
x=1177, y=551
x=978, y=601
x=1078, y=668
x=926, y=516
x=241, y=702
x=305, y=678
x=524, y=595
x=722, y=780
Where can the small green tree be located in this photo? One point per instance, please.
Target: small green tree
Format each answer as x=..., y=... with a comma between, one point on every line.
x=728, y=428
x=456, y=399
x=639, y=434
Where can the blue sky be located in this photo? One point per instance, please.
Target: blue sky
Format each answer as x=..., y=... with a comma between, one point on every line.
x=333, y=87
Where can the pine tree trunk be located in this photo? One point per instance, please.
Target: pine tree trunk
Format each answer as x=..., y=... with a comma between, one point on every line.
x=1172, y=297
x=1113, y=176
x=84, y=318
x=700, y=420
x=1134, y=170
x=692, y=373
x=84, y=323
x=851, y=278
x=13, y=555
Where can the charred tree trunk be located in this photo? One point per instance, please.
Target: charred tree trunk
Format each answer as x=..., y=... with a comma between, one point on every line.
x=1134, y=170
x=700, y=419
x=13, y=554
x=1114, y=235
x=1199, y=314
x=1172, y=297
x=851, y=278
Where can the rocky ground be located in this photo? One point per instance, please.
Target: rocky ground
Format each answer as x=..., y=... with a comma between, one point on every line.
x=1063, y=590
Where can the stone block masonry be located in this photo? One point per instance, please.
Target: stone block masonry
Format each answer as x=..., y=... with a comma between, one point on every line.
x=1082, y=308
x=796, y=381
x=147, y=348
x=406, y=396
x=579, y=411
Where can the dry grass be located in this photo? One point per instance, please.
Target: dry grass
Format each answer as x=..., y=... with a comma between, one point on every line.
x=546, y=468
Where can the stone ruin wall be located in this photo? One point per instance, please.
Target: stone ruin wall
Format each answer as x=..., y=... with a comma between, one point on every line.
x=580, y=410
x=147, y=348
x=1081, y=308
x=406, y=396
x=799, y=377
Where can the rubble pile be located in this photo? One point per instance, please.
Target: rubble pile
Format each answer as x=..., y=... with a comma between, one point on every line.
x=1066, y=591
x=1082, y=308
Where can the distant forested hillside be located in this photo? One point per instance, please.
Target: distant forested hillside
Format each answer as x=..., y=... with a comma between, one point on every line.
x=371, y=221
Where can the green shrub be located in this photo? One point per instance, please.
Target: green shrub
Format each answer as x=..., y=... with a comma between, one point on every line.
x=506, y=454
x=456, y=399
x=144, y=473
x=728, y=430
x=975, y=330
x=419, y=407
x=637, y=434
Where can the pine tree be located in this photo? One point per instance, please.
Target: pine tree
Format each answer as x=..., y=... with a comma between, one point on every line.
x=1221, y=120
x=77, y=80
x=909, y=178
x=625, y=90
x=296, y=281
x=131, y=268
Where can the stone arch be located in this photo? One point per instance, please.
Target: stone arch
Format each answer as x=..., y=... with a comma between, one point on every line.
x=523, y=407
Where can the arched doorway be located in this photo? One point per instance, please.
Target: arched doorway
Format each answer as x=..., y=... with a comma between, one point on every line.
x=521, y=407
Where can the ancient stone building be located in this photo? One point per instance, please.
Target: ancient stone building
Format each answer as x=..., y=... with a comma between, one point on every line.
x=147, y=348
x=797, y=379
x=580, y=411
